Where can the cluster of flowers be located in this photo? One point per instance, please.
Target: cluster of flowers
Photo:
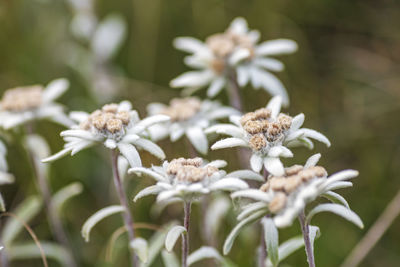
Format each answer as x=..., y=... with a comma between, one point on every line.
x=230, y=57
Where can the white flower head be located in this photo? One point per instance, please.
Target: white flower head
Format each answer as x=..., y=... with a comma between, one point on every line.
x=233, y=53
x=268, y=133
x=189, y=116
x=284, y=197
x=116, y=126
x=188, y=179
x=24, y=104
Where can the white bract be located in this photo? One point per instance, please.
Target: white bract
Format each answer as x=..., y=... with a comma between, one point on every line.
x=116, y=126
x=284, y=197
x=233, y=54
x=268, y=133
x=188, y=179
x=24, y=104
x=189, y=116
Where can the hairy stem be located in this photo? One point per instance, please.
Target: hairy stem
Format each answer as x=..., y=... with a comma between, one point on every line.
x=373, y=235
x=307, y=242
x=235, y=99
x=128, y=219
x=3, y=254
x=263, y=246
x=55, y=223
x=185, y=238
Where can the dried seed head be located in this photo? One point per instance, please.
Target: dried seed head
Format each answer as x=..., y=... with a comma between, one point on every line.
x=293, y=170
x=220, y=44
x=190, y=170
x=265, y=187
x=277, y=183
x=107, y=120
x=181, y=109
x=292, y=183
x=257, y=142
x=285, y=121
x=278, y=202
x=247, y=117
x=218, y=65
x=262, y=114
x=253, y=127
x=22, y=98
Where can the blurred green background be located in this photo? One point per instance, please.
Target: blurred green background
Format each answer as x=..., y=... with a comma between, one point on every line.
x=345, y=78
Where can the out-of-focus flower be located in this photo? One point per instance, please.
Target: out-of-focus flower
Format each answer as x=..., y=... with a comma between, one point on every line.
x=116, y=126
x=24, y=104
x=268, y=133
x=188, y=179
x=284, y=197
x=5, y=177
x=233, y=55
x=189, y=116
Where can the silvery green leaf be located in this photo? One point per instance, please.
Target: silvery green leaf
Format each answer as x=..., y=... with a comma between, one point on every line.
x=66, y=193
x=247, y=175
x=150, y=190
x=287, y=248
x=251, y=208
x=30, y=251
x=202, y=254
x=173, y=236
x=314, y=233
x=336, y=198
x=215, y=213
x=337, y=209
x=198, y=139
x=236, y=230
x=151, y=147
x=141, y=248
x=2, y=204
x=25, y=211
x=169, y=259
x=97, y=217
x=312, y=161
x=156, y=244
x=271, y=240
x=37, y=145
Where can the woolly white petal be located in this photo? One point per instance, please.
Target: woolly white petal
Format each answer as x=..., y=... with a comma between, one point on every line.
x=54, y=90
x=276, y=47
x=149, y=121
x=271, y=84
x=216, y=87
x=239, y=26
x=218, y=163
x=58, y=155
x=81, y=134
x=150, y=147
x=280, y=151
x=246, y=174
x=227, y=129
x=229, y=184
x=176, y=131
x=275, y=106
x=140, y=170
x=340, y=176
x=125, y=106
x=222, y=112
x=238, y=56
x=229, y=142
x=316, y=135
x=312, y=161
x=155, y=108
x=81, y=145
x=253, y=194
x=274, y=166
x=243, y=76
x=193, y=79
x=269, y=64
x=79, y=116
x=110, y=143
x=189, y=44
x=256, y=162
x=151, y=190
x=198, y=139
x=297, y=122
x=130, y=153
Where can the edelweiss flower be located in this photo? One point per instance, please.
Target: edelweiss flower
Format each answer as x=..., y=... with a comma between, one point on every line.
x=268, y=133
x=188, y=179
x=23, y=104
x=115, y=126
x=189, y=116
x=286, y=196
x=5, y=177
x=233, y=54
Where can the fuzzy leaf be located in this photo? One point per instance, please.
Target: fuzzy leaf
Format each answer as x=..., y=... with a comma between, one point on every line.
x=314, y=233
x=202, y=254
x=339, y=210
x=28, y=209
x=271, y=240
x=169, y=259
x=336, y=198
x=173, y=236
x=141, y=248
x=66, y=193
x=287, y=248
x=97, y=217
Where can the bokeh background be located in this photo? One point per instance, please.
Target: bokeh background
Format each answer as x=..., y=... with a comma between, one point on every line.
x=345, y=78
